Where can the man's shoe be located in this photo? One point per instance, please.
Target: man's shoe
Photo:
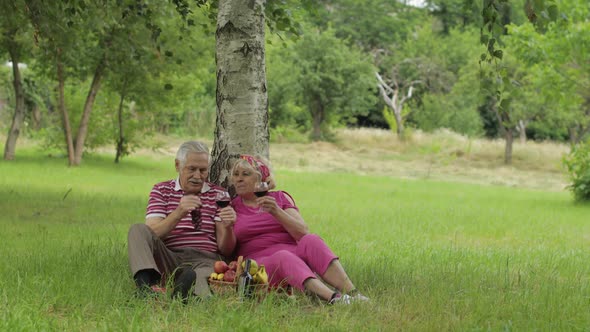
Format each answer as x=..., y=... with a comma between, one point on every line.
x=183, y=284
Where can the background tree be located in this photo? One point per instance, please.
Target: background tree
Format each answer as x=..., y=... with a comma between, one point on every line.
x=336, y=81
x=14, y=28
x=568, y=46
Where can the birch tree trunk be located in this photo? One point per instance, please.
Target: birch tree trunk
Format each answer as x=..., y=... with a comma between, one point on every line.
x=19, y=109
x=242, y=104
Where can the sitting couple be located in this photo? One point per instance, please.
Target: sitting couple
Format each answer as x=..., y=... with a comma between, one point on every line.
x=185, y=233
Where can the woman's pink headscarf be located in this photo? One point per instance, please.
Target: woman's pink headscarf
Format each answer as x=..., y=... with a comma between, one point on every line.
x=258, y=165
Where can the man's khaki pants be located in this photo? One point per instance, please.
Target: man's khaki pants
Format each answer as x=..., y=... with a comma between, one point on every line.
x=147, y=251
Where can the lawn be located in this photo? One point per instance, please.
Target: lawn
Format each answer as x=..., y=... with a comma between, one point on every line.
x=432, y=255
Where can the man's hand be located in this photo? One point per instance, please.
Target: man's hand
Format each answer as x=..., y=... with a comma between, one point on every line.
x=188, y=203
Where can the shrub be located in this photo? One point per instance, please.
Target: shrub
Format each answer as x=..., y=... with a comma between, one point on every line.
x=577, y=163
x=285, y=134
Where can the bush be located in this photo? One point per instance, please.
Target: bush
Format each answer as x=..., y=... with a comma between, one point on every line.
x=577, y=163
x=284, y=134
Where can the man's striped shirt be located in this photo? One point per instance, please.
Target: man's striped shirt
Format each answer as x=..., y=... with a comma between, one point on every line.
x=165, y=198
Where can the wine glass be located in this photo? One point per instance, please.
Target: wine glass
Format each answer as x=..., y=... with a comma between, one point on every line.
x=196, y=218
x=260, y=190
x=222, y=199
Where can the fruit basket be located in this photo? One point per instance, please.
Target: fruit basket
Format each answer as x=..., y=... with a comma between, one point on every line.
x=229, y=288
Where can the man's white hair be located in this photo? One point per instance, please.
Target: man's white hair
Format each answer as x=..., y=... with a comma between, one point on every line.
x=190, y=146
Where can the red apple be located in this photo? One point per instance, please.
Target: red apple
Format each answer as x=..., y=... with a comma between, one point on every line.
x=233, y=265
x=229, y=276
x=220, y=267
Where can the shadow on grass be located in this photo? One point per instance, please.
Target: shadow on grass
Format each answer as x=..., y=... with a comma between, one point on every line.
x=35, y=157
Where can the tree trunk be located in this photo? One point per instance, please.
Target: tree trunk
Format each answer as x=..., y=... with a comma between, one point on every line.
x=83, y=128
x=36, y=114
x=400, y=124
x=317, y=119
x=522, y=131
x=61, y=104
x=394, y=101
x=242, y=103
x=573, y=135
x=509, y=136
x=121, y=139
x=19, y=108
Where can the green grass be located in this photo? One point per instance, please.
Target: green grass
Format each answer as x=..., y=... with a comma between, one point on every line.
x=433, y=256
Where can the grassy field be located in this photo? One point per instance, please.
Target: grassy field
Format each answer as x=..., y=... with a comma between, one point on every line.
x=432, y=255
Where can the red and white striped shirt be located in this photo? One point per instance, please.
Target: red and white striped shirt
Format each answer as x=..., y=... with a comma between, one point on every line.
x=165, y=197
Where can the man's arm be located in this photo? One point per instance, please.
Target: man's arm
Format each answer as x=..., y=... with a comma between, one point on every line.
x=163, y=226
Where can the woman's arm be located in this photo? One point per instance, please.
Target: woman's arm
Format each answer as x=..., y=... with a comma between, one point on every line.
x=289, y=218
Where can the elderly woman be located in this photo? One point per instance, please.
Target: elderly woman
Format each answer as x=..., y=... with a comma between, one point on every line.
x=270, y=230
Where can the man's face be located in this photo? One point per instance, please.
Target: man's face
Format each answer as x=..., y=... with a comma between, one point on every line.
x=194, y=172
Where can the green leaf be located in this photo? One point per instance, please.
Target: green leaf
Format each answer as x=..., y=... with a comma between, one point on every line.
x=498, y=30
x=491, y=43
x=278, y=12
x=539, y=5
x=553, y=12
x=168, y=86
x=484, y=39
x=498, y=54
x=505, y=103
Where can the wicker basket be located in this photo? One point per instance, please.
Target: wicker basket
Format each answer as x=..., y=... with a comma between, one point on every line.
x=226, y=288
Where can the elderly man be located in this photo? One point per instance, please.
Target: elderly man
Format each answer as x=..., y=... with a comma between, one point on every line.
x=184, y=231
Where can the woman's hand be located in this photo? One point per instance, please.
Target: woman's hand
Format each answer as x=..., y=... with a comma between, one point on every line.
x=227, y=216
x=268, y=204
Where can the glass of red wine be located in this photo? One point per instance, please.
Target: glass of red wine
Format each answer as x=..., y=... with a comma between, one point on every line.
x=196, y=218
x=260, y=190
x=222, y=199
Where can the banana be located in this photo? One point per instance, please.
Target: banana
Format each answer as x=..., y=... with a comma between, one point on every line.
x=261, y=276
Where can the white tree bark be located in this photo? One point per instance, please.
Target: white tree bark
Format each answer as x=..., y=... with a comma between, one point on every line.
x=521, y=128
x=391, y=96
x=242, y=102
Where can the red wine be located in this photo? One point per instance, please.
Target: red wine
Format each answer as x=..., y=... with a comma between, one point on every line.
x=260, y=193
x=222, y=204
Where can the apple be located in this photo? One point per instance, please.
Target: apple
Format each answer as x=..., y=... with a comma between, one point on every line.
x=233, y=265
x=229, y=276
x=220, y=267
